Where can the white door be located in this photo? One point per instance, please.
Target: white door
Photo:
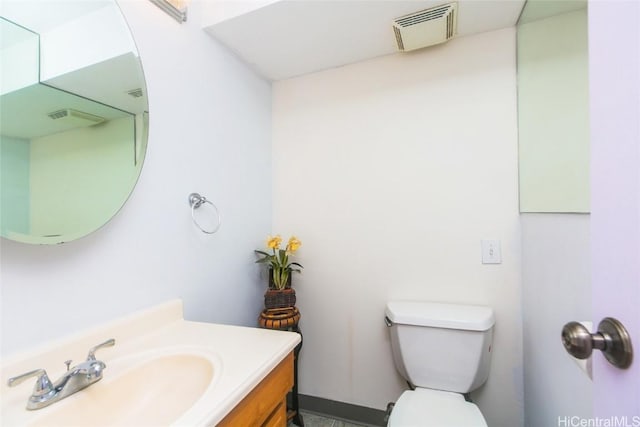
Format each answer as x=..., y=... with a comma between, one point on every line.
x=614, y=75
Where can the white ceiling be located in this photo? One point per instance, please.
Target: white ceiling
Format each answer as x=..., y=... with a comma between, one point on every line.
x=288, y=38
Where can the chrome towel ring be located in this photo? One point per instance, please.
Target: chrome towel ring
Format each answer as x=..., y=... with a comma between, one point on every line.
x=195, y=201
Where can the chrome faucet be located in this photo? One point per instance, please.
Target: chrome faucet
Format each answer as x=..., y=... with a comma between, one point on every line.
x=75, y=379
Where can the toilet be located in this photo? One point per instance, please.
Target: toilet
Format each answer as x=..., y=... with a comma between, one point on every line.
x=443, y=351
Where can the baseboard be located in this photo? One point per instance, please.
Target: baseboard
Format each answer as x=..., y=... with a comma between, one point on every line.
x=345, y=411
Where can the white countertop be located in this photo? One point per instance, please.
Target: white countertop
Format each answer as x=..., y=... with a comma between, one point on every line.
x=241, y=356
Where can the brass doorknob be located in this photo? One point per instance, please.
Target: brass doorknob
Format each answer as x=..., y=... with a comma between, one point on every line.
x=612, y=339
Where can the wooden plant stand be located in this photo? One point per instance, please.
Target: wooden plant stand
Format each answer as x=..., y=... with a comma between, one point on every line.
x=286, y=319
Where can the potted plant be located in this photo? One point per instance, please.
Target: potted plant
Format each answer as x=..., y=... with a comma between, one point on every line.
x=279, y=293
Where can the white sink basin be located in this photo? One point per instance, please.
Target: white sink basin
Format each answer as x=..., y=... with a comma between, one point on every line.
x=153, y=393
x=162, y=371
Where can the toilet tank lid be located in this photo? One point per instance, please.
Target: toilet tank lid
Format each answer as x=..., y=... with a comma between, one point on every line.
x=440, y=315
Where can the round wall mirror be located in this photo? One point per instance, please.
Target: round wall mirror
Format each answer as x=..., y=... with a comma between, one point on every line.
x=74, y=118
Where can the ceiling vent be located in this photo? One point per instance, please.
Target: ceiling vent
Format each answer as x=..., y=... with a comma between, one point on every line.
x=426, y=28
x=136, y=93
x=76, y=118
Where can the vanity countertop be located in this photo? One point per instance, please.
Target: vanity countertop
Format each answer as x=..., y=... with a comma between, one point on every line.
x=241, y=357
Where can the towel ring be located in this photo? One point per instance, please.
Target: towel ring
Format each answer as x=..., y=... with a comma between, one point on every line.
x=195, y=201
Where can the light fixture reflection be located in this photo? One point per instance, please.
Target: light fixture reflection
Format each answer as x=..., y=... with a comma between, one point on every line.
x=177, y=9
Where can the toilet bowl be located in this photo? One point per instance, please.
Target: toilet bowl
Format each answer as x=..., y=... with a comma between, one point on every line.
x=443, y=351
x=424, y=407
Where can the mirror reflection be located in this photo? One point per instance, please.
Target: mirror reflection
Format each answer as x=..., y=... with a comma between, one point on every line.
x=74, y=118
x=553, y=106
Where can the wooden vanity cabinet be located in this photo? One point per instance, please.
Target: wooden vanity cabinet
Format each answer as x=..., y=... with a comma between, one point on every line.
x=266, y=404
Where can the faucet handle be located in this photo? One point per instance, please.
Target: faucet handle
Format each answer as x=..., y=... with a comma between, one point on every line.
x=43, y=383
x=92, y=352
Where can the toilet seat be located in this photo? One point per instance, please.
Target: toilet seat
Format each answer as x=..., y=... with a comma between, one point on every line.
x=434, y=408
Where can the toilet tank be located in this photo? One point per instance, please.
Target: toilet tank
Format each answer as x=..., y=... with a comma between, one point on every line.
x=441, y=346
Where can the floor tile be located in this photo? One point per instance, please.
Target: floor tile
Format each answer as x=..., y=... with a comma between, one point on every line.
x=315, y=420
x=339, y=423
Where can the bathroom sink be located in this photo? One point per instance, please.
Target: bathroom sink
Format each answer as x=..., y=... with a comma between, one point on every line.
x=162, y=371
x=156, y=391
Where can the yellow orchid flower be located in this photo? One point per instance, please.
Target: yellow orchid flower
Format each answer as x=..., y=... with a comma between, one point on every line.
x=274, y=242
x=294, y=244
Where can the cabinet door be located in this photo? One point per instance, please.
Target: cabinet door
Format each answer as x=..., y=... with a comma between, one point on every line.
x=279, y=416
x=264, y=401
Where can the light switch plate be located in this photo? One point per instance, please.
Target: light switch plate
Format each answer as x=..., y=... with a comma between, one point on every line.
x=491, y=253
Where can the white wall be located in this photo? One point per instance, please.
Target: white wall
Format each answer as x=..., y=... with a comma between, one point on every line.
x=391, y=171
x=210, y=119
x=556, y=290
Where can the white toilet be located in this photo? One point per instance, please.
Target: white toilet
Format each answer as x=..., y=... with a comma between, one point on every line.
x=443, y=350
